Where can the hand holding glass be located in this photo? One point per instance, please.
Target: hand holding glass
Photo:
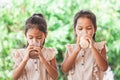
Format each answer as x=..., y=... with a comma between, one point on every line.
x=34, y=53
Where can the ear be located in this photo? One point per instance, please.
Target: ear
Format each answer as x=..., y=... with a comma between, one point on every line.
x=95, y=30
x=74, y=30
x=26, y=40
x=26, y=37
x=46, y=34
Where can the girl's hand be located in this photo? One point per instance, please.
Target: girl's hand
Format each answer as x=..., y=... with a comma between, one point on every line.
x=28, y=50
x=77, y=48
x=38, y=49
x=90, y=40
x=78, y=39
x=40, y=55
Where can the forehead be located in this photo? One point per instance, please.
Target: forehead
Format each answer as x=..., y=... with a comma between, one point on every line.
x=34, y=32
x=83, y=21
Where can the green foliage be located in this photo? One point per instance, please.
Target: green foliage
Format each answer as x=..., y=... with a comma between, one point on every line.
x=59, y=15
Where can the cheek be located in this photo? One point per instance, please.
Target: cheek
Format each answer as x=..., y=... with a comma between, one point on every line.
x=91, y=33
x=78, y=32
x=28, y=40
x=42, y=40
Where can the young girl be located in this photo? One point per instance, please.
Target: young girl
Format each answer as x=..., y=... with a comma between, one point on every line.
x=83, y=62
x=35, y=62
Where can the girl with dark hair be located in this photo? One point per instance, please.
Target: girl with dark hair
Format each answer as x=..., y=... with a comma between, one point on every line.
x=86, y=59
x=35, y=62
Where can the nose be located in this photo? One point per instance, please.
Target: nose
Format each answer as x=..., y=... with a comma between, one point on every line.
x=84, y=32
x=34, y=41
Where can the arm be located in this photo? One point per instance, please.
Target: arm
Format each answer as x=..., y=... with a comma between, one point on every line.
x=70, y=60
x=18, y=69
x=100, y=58
x=51, y=67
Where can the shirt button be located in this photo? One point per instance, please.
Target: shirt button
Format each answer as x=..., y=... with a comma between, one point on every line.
x=36, y=69
x=82, y=64
x=35, y=62
x=82, y=55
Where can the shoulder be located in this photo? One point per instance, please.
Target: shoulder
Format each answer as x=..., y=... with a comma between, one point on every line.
x=70, y=46
x=53, y=50
x=16, y=53
x=100, y=45
x=49, y=53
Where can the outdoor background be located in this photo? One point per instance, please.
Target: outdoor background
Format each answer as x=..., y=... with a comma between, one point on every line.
x=59, y=16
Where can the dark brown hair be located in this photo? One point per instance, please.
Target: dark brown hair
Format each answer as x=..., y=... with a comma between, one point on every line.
x=38, y=20
x=87, y=14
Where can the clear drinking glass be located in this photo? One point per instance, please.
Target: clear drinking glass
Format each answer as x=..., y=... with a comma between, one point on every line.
x=83, y=42
x=34, y=53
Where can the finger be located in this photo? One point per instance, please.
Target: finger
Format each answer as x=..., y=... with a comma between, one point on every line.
x=78, y=46
x=78, y=39
x=29, y=50
x=37, y=48
x=87, y=38
x=29, y=47
x=90, y=42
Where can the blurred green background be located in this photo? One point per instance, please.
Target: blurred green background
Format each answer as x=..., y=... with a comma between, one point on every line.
x=59, y=15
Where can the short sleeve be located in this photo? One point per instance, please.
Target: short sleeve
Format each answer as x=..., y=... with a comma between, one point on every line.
x=101, y=45
x=49, y=53
x=69, y=48
x=16, y=56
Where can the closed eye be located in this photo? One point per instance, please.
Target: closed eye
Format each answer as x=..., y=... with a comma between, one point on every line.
x=39, y=37
x=89, y=28
x=79, y=28
x=30, y=37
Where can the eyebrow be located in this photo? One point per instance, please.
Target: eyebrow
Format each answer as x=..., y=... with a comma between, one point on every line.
x=39, y=35
x=36, y=35
x=89, y=26
x=79, y=26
